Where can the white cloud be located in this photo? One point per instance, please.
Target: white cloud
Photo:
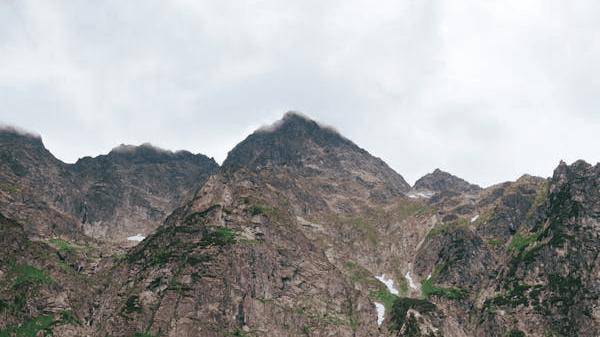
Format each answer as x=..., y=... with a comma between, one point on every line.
x=487, y=90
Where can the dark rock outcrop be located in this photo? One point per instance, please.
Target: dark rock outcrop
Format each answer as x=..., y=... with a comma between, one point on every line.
x=440, y=181
x=131, y=190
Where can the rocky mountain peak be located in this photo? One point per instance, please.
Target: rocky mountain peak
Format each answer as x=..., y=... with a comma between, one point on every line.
x=441, y=181
x=288, y=141
x=150, y=154
x=17, y=140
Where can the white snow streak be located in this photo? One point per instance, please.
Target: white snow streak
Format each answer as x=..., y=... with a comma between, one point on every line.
x=137, y=237
x=380, y=312
x=473, y=219
x=411, y=283
x=389, y=283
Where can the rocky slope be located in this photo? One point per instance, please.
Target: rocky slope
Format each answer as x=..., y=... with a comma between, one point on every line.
x=237, y=260
x=131, y=190
x=301, y=233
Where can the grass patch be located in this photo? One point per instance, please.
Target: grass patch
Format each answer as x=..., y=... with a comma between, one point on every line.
x=29, y=275
x=219, y=236
x=494, y=243
x=520, y=241
x=62, y=245
x=258, y=210
x=132, y=305
x=384, y=296
x=515, y=333
x=31, y=328
x=448, y=227
x=401, y=307
x=428, y=289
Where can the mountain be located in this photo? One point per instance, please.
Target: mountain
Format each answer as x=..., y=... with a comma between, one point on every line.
x=131, y=190
x=299, y=233
x=239, y=253
x=439, y=181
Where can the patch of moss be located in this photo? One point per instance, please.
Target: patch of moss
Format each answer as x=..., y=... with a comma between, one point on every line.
x=428, y=289
x=445, y=228
x=402, y=305
x=521, y=241
x=385, y=297
x=39, y=326
x=67, y=317
x=494, y=242
x=29, y=275
x=257, y=210
x=132, y=305
x=218, y=236
x=515, y=333
x=62, y=245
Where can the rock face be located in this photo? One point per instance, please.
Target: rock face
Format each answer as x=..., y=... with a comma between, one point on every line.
x=39, y=291
x=440, y=181
x=131, y=190
x=299, y=233
x=239, y=252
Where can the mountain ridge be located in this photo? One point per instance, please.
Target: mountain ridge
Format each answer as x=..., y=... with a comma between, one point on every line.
x=303, y=233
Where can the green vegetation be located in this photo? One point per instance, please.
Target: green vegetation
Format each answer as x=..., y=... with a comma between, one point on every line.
x=540, y=197
x=219, y=236
x=30, y=328
x=401, y=307
x=367, y=229
x=515, y=333
x=62, y=245
x=28, y=275
x=384, y=296
x=38, y=326
x=411, y=208
x=402, y=286
x=520, y=241
x=428, y=289
x=494, y=242
x=132, y=305
x=257, y=210
x=445, y=228
x=360, y=275
x=516, y=294
x=67, y=317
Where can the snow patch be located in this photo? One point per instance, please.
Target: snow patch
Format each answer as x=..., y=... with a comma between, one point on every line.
x=411, y=283
x=389, y=283
x=473, y=219
x=380, y=312
x=137, y=237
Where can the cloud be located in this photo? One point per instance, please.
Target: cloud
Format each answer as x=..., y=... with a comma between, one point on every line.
x=486, y=90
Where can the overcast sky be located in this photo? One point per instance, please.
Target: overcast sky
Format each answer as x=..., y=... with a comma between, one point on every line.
x=487, y=90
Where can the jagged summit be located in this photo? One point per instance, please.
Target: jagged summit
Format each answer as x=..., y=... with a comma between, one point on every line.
x=286, y=142
x=297, y=141
x=11, y=136
x=440, y=181
x=9, y=130
x=145, y=153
